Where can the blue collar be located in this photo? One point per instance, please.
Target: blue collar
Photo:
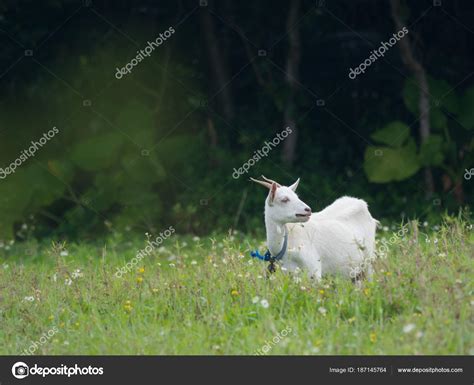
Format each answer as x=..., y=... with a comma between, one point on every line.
x=268, y=256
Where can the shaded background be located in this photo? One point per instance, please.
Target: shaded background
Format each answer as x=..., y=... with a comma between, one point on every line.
x=159, y=146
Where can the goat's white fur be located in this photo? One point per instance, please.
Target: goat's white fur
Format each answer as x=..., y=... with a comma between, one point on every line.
x=332, y=241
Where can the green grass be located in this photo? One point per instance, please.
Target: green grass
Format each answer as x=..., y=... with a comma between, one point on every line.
x=196, y=296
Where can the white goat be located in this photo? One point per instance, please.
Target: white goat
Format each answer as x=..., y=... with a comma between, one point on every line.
x=335, y=240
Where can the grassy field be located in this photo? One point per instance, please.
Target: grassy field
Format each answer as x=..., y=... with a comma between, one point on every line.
x=207, y=296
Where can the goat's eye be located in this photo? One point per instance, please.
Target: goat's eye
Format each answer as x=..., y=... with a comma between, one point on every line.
x=285, y=200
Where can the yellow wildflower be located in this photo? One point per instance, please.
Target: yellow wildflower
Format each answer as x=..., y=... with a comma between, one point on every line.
x=128, y=306
x=373, y=337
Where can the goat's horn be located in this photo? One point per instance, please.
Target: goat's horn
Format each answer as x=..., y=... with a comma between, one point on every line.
x=271, y=181
x=265, y=184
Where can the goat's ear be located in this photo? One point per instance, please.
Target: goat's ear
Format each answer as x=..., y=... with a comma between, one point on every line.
x=271, y=194
x=295, y=185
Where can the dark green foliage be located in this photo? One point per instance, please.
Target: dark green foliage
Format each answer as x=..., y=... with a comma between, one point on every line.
x=401, y=159
x=156, y=148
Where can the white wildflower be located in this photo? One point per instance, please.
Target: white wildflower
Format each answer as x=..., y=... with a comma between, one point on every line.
x=408, y=328
x=76, y=274
x=264, y=303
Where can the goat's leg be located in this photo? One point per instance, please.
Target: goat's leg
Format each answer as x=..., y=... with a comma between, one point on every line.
x=370, y=272
x=313, y=265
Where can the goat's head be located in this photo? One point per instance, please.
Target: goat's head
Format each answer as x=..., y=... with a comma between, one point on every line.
x=282, y=204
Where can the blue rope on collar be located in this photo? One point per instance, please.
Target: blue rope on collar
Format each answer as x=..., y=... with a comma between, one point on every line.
x=267, y=257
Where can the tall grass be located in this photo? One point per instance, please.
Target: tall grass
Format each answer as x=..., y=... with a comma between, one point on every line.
x=207, y=296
